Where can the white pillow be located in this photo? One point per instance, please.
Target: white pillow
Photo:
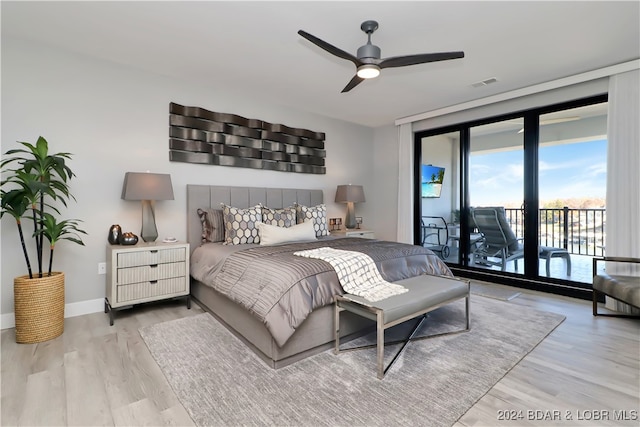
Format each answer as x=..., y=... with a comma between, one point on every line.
x=273, y=235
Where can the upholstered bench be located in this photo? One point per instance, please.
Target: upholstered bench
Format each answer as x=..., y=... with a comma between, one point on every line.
x=620, y=287
x=548, y=252
x=425, y=293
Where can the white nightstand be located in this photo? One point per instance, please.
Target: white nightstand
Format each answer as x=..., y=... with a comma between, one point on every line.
x=146, y=272
x=355, y=232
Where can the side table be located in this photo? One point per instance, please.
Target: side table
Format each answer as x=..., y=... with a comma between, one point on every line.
x=146, y=272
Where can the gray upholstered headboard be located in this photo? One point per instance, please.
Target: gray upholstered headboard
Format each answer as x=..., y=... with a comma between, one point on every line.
x=210, y=196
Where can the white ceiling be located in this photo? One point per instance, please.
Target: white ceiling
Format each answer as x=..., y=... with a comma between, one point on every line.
x=254, y=49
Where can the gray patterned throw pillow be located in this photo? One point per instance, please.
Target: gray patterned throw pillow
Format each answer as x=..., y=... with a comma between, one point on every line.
x=240, y=224
x=285, y=217
x=317, y=214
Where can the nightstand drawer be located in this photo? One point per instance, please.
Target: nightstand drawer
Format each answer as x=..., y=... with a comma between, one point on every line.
x=151, y=289
x=151, y=257
x=147, y=273
x=359, y=233
x=362, y=234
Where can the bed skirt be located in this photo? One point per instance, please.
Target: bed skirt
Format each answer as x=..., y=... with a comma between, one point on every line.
x=312, y=337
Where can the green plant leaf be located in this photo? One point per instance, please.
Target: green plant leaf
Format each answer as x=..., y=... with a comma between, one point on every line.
x=54, y=231
x=34, y=179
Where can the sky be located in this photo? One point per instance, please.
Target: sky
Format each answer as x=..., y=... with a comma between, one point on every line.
x=575, y=170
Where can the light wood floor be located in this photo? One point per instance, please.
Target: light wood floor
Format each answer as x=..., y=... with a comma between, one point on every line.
x=588, y=367
x=95, y=374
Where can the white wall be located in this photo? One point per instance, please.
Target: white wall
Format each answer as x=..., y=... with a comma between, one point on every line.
x=385, y=182
x=115, y=119
x=511, y=103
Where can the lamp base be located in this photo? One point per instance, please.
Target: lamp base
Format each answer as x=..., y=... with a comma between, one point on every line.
x=350, y=220
x=149, y=232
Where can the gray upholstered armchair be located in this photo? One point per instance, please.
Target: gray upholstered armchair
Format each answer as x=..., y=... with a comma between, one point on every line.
x=622, y=287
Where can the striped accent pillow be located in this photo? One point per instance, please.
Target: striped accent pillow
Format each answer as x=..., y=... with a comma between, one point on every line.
x=212, y=225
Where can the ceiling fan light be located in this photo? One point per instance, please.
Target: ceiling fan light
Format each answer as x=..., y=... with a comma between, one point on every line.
x=368, y=71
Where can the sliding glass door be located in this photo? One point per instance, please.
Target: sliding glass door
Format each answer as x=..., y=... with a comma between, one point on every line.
x=572, y=177
x=520, y=197
x=496, y=196
x=440, y=195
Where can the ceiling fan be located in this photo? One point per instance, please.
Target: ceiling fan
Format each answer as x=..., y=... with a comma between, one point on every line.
x=554, y=121
x=368, y=61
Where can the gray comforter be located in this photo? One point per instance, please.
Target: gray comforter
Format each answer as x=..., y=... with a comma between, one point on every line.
x=281, y=289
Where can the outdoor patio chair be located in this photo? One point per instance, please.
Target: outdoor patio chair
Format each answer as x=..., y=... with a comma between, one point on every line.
x=499, y=241
x=502, y=243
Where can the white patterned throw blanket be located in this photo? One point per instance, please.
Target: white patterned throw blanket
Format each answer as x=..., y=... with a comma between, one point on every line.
x=357, y=273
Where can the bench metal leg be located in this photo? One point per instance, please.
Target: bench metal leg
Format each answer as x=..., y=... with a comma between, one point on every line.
x=380, y=344
x=467, y=304
x=336, y=325
x=381, y=370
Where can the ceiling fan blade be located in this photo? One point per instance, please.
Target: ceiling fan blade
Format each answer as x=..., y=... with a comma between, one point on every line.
x=554, y=121
x=330, y=48
x=403, y=61
x=355, y=81
x=559, y=120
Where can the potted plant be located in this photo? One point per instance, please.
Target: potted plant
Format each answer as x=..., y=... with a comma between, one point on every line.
x=34, y=185
x=455, y=216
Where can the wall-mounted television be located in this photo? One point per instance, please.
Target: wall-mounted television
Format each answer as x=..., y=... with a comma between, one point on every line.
x=432, y=177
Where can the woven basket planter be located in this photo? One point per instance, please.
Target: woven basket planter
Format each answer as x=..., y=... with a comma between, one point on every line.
x=39, y=307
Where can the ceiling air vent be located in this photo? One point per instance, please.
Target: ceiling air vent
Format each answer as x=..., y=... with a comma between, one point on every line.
x=485, y=82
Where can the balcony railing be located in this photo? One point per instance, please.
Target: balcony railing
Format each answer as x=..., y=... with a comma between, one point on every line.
x=580, y=231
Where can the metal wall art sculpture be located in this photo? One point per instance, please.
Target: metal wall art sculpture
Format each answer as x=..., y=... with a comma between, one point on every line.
x=197, y=135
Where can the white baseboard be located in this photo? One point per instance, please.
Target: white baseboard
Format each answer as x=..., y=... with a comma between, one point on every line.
x=70, y=310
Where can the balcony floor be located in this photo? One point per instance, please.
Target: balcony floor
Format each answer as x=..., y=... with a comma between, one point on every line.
x=581, y=267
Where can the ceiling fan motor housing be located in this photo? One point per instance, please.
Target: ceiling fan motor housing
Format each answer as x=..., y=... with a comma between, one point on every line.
x=368, y=51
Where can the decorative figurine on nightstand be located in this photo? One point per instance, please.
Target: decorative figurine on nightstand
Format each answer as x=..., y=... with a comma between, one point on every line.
x=358, y=222
x=115, y=232
x=128, y=238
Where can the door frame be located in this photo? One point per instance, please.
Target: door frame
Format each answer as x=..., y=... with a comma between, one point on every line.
x=530, y=279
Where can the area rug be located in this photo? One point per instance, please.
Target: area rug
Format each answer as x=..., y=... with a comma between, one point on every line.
x=500, y=293
x=222, y=383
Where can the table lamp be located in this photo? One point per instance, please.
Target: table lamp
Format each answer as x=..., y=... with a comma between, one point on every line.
x=147, y=187
x=350, y=194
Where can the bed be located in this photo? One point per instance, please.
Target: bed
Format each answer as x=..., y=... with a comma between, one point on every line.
x=259, y=323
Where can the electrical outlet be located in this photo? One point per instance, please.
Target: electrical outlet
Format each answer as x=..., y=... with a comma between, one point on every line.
x=102, y=268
